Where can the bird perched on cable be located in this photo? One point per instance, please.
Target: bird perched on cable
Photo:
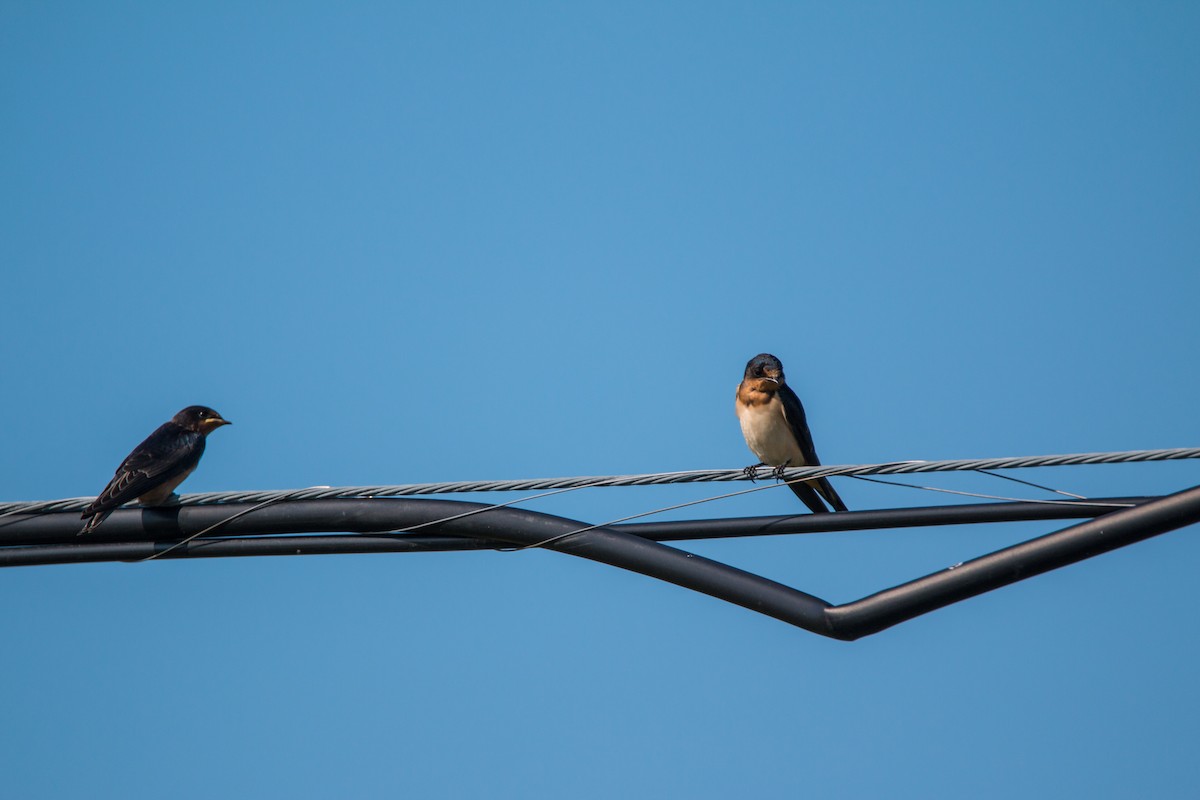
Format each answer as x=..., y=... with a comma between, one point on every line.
x=777, y=432
x=158, y=465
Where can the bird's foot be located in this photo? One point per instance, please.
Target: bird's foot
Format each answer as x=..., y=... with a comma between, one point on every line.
x=778, y=472
x=751, y=471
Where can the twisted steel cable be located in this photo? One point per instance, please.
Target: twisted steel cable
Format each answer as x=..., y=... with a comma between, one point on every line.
x=650, y=479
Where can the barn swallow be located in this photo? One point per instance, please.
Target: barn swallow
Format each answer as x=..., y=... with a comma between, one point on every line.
x=777, y=432
x=158, y=465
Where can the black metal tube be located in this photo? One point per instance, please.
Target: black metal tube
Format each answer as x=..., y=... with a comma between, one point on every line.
x=137, y=533
x=272, y=537
x=506, y=525
x=300, y=545
x=878, y=519
x=901, y=603
x=259, y=536
x=300, y=516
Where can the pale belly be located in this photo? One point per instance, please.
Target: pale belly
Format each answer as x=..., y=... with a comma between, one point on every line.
x=159, y=494
x=768, y=435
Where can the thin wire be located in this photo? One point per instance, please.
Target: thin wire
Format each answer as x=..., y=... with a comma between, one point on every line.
x=216, y=525
x=989, y=496
x=472, y=512
x=825, y=472
x=1031, y=483
x=822, y=472
x=553, y=539
x=273, y=500
x=497, y=505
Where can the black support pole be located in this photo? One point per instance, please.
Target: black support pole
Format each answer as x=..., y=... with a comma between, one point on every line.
x=285, y=528
x=1118, y=529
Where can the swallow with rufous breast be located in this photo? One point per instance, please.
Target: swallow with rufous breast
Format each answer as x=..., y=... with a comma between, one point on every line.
x=158, y=465
x=776, y=430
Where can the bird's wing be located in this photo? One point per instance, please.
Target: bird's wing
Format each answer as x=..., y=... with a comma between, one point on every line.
x=167, y=452
x=793, y=411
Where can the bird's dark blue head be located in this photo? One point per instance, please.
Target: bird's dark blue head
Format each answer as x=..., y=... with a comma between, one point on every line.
x=201, y=419
x=765, y=365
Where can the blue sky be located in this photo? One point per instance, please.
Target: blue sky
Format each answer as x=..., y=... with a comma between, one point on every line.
x=418, y=242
